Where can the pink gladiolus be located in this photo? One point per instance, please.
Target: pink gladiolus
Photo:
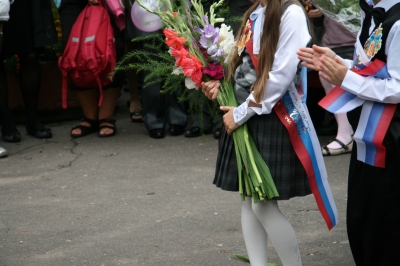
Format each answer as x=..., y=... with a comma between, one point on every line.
x=192, y=68
x=179, y=55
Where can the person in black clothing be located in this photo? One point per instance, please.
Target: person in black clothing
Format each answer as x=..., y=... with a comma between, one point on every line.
x=29, y=29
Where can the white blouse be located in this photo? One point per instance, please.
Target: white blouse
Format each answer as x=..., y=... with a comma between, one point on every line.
x=377, y=89
x=293, y=35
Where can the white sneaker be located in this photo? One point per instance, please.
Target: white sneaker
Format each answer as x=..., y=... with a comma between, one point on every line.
x=4, y=9
x=3, y=152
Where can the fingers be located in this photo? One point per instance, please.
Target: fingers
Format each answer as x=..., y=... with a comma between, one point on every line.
x=327, y=68
x=333, y=70
x=340, y=61
x=226, y=108
x=210, y=89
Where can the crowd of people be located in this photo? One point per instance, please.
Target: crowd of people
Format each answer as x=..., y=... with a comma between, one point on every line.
x=366, y=122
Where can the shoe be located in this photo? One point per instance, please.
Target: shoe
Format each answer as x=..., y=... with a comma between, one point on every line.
x=112, y=126
x=195, y=132
x=3, y=152
x=176, y=130
x=136, y=113
x=85, y=130
x=217, y=133
x=342, y=150
x=42, y=133
x=15, y=137
x=157, y=133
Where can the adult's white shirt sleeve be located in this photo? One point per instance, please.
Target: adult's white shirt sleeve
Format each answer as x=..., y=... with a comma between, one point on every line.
x=293, y=35
x=377, y=89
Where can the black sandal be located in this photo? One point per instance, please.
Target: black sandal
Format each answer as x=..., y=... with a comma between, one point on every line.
x=137, y=112
x=85, y=130
x=113, y=127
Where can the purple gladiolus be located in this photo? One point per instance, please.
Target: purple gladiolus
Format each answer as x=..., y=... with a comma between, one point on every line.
x=209, y=37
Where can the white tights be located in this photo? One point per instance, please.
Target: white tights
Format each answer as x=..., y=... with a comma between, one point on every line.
x=263, y=219
x=345, y=131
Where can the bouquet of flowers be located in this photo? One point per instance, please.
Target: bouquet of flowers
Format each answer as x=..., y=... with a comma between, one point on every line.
x=201, y=52
x=346, y=12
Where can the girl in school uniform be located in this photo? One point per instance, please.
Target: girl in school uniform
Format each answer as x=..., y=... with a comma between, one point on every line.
x=265, y=71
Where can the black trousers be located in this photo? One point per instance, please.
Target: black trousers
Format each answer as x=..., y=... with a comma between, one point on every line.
x=373, y=217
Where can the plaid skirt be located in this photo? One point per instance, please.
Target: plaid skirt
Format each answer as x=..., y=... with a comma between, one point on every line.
x=273, y=143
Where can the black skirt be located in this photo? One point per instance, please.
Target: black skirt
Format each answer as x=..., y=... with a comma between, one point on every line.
x=273, y=143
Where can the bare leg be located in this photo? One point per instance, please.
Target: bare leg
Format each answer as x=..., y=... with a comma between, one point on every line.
x=106, y=110
x=88, y=100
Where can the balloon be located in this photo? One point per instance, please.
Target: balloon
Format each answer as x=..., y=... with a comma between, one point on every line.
x=144, y=20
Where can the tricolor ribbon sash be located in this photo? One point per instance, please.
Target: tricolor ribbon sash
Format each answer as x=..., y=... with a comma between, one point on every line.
x=375, y=117
x=294, y=115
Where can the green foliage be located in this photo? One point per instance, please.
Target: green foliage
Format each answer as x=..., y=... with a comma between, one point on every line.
x=153, y=59
x=157, y=64
x=243, y=258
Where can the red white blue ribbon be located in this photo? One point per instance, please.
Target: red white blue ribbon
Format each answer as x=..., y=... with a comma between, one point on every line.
x=375, y=117
x=293, y=113
x=295, y=117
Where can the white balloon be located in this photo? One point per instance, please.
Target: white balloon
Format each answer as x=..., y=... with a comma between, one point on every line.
x=144, y=20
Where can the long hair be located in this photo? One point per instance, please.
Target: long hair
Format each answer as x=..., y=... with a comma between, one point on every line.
x=269, y=42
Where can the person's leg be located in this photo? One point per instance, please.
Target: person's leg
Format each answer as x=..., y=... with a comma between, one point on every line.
x=88, y=100
x=176, y=115
x=345, y=131
x=279, y=230
x=29, y=80
x=255, y=236
x=132, y=78
x=9, y=129
x=106, y=112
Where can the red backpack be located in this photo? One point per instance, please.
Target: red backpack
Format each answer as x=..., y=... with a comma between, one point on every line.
x=90, y=55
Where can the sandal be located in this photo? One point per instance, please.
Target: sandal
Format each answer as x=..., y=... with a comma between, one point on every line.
x=85, y=130
x=42, y=133
x=112, y=126
x=342, y=150
x=137, y=112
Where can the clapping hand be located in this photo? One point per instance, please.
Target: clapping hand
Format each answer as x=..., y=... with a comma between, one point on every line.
x=325, y=61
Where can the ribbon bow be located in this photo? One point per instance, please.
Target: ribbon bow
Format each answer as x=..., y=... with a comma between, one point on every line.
x=258, y=17
x=378, y=13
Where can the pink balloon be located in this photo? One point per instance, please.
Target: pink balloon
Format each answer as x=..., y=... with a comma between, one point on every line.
x=144, y=20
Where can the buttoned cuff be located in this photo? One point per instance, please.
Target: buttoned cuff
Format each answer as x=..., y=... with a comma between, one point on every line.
x=242, y=113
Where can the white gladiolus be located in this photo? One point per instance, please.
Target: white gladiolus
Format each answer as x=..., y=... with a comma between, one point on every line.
x=178, y=71
x=225, y=32
x=227, y=41
x=190, y=84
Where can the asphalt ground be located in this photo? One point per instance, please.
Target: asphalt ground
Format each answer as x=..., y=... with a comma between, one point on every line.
x=134, y=200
